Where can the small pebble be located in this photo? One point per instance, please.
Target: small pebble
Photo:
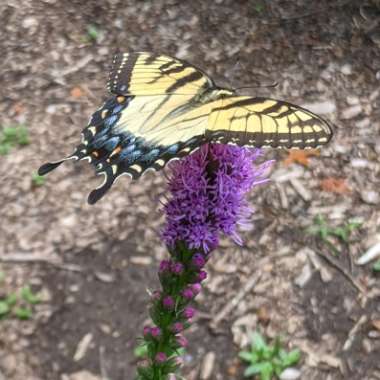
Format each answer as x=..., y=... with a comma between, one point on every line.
x=351, y=112
x=290, y=374
x=207, y=367
x=371, y=197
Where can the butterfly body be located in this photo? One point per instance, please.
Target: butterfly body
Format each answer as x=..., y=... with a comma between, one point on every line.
x=163, y=108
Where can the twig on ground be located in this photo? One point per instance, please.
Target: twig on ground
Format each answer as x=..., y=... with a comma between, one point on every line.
x=35, y=258
x=337, y=266
x=102, y=363
x=351, y=335
x=309, y=14
x=230, y=305
x=29, y=258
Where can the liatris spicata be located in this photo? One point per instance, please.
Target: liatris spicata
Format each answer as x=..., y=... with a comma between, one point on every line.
x=207, y=198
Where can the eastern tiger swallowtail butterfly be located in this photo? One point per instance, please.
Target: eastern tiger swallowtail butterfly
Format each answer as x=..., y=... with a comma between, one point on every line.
x=163, y=108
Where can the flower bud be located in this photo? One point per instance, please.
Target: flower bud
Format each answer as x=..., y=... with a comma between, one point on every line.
x=146, y=331
x=196, y=288
x=177, y=268
x=160, y=357
x=168, y=302
x=155, y=332
x=187, y=293
x=177, y=327
x=189, y=312
x=198, y=260
x=202, y=275
x=182, y=341
x=164, y=266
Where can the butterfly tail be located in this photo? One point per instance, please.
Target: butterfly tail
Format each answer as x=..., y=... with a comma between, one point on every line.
x=48, y=167
x=99, y=192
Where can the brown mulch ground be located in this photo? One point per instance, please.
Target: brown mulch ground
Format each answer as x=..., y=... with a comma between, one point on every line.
x=92, y=264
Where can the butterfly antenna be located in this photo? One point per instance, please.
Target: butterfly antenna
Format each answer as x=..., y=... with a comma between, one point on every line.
x=274, y=84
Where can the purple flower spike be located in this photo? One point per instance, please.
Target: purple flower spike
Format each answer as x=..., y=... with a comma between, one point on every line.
x=161, y=357
x=177, y=327
x=189, y=312
x=177, y=268
x=198, y=260
x=182, y=341
x=196, y=288
x=188, y=293
x=168, y=302
x=207, y=195
x=155, y=332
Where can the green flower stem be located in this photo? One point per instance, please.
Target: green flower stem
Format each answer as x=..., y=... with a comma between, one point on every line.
x=170, y=312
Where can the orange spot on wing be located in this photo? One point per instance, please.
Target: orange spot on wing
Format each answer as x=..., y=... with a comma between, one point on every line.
x=115, y=151
x=95, y=154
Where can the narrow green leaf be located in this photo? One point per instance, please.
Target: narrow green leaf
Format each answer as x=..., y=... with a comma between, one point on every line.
x=254, y=369
x=141, y=351
x=4, y=308
x=23, y=313
x=267, y=371
x=28, y=296
x=5, y=148
x=258, y=342
x=11, y=299
x=22, y=136
x=245, y=355
x=291, y=358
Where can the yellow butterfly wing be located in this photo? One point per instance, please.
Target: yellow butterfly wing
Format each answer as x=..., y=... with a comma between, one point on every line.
x=162, y=108
x=259, y=122
x=152, y=74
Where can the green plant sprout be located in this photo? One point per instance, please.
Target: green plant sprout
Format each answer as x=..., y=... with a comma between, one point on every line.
x=259, y=7
x=20, y=305
x=321, y=229
x=265, y=360
x=376, y=266
x=11, y=137
x=92, y=32
x=38, y=180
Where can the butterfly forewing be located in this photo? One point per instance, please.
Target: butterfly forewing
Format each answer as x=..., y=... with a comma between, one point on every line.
x=150, y=74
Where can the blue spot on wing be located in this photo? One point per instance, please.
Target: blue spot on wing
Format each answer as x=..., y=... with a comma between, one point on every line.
x=112, y=143
x=110, y=121
x=99, y=141
x=126, y=152
x=172, y=149
x=117, y=109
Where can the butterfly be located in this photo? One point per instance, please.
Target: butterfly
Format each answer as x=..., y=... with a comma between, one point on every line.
x=163, y=108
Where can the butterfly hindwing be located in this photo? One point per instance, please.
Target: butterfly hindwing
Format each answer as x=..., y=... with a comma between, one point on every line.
x=116, y=144
x=259, y=122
